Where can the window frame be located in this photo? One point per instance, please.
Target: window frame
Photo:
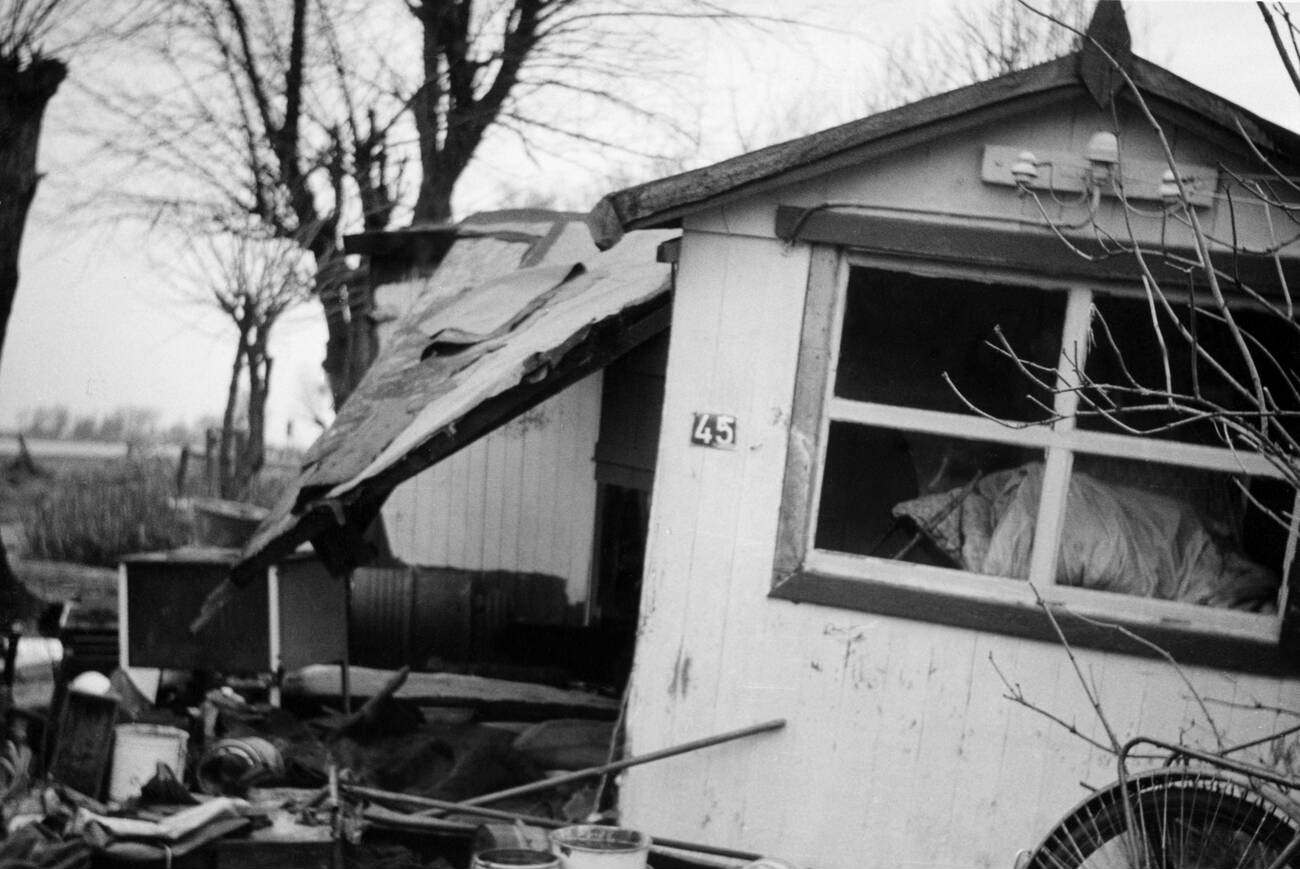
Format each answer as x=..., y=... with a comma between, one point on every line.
x=1192, y=633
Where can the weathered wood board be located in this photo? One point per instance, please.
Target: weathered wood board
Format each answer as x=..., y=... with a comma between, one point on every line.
x=490, y=696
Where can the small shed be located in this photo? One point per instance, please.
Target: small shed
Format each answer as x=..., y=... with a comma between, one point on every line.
x=870, y=463
x=899, y=320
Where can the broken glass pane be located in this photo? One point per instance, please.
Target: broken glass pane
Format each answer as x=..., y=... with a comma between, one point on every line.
x=929, y=499
x=1186, y=381
x=903, y=332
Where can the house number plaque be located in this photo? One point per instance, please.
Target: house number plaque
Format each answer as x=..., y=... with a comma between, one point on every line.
x=717, y=430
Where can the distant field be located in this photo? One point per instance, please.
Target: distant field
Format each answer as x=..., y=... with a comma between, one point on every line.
x=58, y=456
x=45, y=448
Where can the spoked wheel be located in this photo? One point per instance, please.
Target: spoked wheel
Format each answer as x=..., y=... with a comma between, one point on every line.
x=1180, y=820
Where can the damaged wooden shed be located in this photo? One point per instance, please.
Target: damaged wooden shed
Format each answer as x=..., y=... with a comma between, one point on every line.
x=840, y=536
x=505, y=439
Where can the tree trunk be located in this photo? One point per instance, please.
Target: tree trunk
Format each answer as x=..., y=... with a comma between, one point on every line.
x=331, y=289
x=24, y=93
x=253, y=455
x=226, y=445
x=433, y=205
x=25, y=90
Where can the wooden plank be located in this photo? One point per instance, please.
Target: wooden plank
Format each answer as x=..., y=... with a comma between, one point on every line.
x=1030, y=250
x=494, y=495
x=491, y=696
x=531, y=489
x=1142, y=176
x=1261, y=656
x=512, y=504
x=805, y=413
x=459, y=517
x=582, y=526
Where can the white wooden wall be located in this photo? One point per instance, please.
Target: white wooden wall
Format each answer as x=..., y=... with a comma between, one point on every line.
x=522, y=498
x=900, y=749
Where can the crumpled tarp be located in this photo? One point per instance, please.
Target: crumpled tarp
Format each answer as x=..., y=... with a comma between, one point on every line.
x=1114, y=538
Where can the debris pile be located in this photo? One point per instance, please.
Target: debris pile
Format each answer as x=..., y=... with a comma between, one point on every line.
x=110, y=776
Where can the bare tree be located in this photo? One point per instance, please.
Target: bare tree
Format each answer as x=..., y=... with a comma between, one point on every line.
x=28, y=80
x=262, y=116
x=557, y=75
x=280, y=113
x=253, y=282
x=972, y=43
x=1235, y=341
x=36, y=39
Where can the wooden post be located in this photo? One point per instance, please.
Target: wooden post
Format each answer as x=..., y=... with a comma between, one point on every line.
x=182, y=469
x=210, y=461
x=345, y=676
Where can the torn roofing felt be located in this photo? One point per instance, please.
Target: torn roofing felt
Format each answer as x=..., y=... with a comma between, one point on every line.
x=482, y=342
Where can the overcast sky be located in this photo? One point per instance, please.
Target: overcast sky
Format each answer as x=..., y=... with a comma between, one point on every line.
x=99, y=321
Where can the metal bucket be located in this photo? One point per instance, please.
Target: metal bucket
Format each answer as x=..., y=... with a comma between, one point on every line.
x=590, y=846
x=514, y=858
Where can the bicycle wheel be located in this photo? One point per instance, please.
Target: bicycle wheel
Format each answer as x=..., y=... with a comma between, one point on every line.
x=1181, y=820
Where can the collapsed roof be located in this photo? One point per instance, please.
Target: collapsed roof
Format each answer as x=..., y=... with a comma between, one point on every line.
x=520, y=307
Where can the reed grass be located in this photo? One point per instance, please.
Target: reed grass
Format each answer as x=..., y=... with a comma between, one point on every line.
x=95, y=516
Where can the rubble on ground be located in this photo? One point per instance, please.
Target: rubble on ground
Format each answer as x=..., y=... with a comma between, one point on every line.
x=256, y=773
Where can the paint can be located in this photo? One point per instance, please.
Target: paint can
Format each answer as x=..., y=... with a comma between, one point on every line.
x=591, y=846
x=137, y=751
x=514, y=858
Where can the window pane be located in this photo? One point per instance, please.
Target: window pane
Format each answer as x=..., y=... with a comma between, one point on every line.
x=929, y=499
x=1173, y=533
x=903, y=332
x=1117, y=368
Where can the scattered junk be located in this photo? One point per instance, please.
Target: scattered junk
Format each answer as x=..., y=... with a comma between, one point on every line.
x=106, y=776
x=140, y=751
x=590, y=846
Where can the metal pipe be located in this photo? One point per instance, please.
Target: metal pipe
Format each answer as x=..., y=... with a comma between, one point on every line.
x=592, y=772
x=548, y=823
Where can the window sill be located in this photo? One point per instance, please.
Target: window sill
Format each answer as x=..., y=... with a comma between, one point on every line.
x=1005, y=614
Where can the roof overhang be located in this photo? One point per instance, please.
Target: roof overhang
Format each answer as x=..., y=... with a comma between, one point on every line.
x=663, y=202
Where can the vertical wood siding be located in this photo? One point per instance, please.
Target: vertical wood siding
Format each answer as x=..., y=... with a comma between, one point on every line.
x=523, y=498
x=900, y=749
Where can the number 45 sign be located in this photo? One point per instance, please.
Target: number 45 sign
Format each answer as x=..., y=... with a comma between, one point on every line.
x=717, y=430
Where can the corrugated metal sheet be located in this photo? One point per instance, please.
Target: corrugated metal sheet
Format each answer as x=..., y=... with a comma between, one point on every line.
x=418, y=389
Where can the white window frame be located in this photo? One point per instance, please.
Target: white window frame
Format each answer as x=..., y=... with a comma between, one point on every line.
x=1060, y=441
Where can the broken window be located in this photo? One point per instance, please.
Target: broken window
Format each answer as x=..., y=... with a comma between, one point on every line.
x=972, y=434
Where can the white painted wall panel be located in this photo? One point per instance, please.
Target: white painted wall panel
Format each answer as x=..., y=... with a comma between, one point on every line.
x=523, y=498
x=900, y=749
